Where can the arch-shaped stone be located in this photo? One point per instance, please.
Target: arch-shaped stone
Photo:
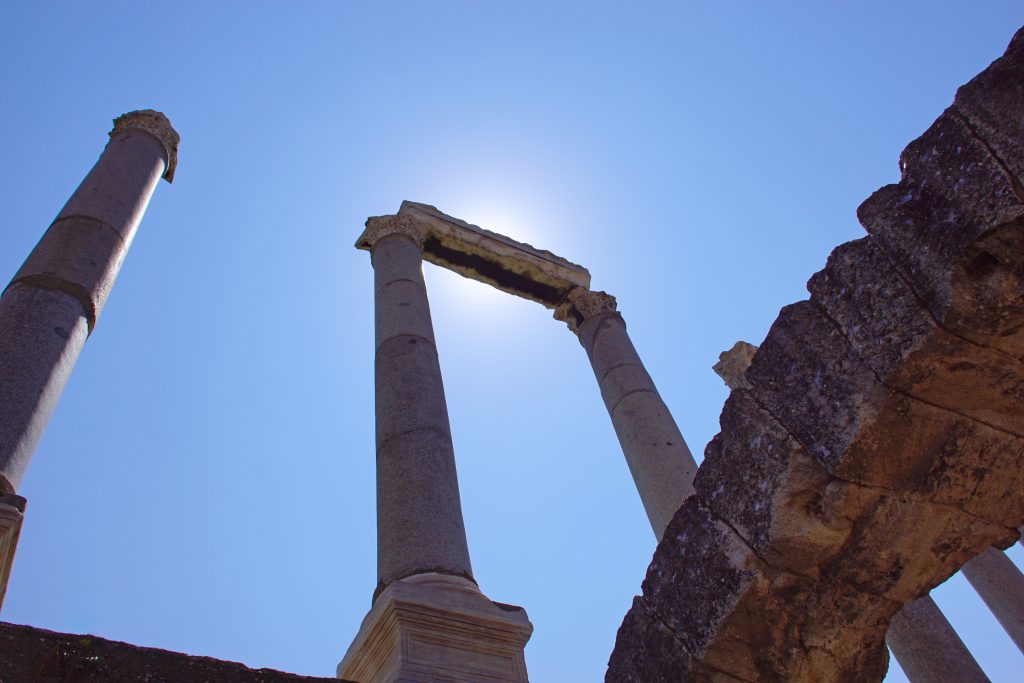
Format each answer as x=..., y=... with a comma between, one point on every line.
x=880, y=444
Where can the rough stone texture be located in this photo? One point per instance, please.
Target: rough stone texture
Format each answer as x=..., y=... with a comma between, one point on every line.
x=732, y=365
x=33, y=655
x=879, y=445
x=157, y=125
x=494, y=259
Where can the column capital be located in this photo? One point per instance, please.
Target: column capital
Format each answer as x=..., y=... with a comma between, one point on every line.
x=732, y=365
x=157, y=125
x=581, y=304
x=378, y=227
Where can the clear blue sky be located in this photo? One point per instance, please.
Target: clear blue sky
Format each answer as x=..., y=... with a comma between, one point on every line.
x=206, y=483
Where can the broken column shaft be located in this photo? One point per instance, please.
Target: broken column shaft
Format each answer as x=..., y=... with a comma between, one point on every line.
x=51, y=305
x=419, y=514
x=658, y=458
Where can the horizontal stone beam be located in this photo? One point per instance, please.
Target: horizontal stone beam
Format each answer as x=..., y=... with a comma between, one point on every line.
x=494, y=259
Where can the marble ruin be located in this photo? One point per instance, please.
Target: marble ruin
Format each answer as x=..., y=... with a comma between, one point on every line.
x=871, y=446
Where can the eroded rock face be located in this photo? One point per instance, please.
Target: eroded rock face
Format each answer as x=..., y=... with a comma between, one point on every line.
x=879, y=444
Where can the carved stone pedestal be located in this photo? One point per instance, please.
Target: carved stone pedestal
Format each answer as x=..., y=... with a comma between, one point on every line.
x=435, y=628
x=12, y=509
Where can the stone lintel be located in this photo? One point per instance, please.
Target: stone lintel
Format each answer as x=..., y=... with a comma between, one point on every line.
x=494, y=259
x=435, y=628
x=12, y=510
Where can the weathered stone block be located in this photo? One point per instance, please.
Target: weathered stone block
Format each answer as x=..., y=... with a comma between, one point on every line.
x=991, y=103
x=906, y=349
x=953, y=228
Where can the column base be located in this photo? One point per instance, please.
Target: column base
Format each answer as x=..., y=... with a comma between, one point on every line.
x=12, y=511
x=435, y=628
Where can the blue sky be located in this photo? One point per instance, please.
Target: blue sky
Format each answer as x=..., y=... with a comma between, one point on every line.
x=206, y=483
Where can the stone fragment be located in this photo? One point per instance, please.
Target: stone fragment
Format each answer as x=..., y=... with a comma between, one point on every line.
x=732, y=365
x=494, y=259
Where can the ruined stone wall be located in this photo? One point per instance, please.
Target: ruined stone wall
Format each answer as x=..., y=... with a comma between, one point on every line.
x=34, y=655
x=880, y=444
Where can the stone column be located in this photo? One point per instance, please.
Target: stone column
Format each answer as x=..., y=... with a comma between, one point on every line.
x=1001, y=585
x=429, y=620
x=927, y=647
x=52, y=304
x=658, y=458
x=419, y=514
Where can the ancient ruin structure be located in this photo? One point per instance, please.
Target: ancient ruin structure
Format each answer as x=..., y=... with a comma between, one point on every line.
x=872, y=445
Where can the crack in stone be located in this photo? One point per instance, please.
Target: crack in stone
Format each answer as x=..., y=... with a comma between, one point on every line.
x=1015, y=183
x=611, y=411
x=91, y=219
x=401, y=336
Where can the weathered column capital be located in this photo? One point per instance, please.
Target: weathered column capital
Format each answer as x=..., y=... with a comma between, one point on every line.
x=157, y=125
x=581, y=304
x=379, y=227
x=732, y=365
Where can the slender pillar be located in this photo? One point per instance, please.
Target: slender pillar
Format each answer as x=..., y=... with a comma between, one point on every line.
x=419, y=514
x=927, y=647
x=429, y=621
x=1001, y=585
x=658, y=458
x=51, y=305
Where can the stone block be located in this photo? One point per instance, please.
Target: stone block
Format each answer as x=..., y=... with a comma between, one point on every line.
x=954, y=229
x=432, y=628
x=906, y=349
x=991, y=103
x=494, y=259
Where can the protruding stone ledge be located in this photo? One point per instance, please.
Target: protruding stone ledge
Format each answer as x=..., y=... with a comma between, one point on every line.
x=494, y=259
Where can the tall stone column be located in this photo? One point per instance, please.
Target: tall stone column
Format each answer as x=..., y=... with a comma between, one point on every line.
x=52, y=304
x=1001, y=585
x=419, y=514
x=429, y=620
x=658, y=458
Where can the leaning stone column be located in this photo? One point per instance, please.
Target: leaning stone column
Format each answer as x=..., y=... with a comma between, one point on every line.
x=52, y=304
x=927, y=647
x=429, y=621
x=1001, y=585
x=658, y=458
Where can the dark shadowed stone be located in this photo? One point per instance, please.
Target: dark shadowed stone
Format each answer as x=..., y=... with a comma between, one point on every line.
x=760, y=480
x=654, y=653
x=991, y=103
x=34, y=655
x=952, y=194
x=906, y=349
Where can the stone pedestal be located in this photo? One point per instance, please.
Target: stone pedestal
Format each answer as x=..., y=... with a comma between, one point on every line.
x=12, y=510
x=438, y=628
